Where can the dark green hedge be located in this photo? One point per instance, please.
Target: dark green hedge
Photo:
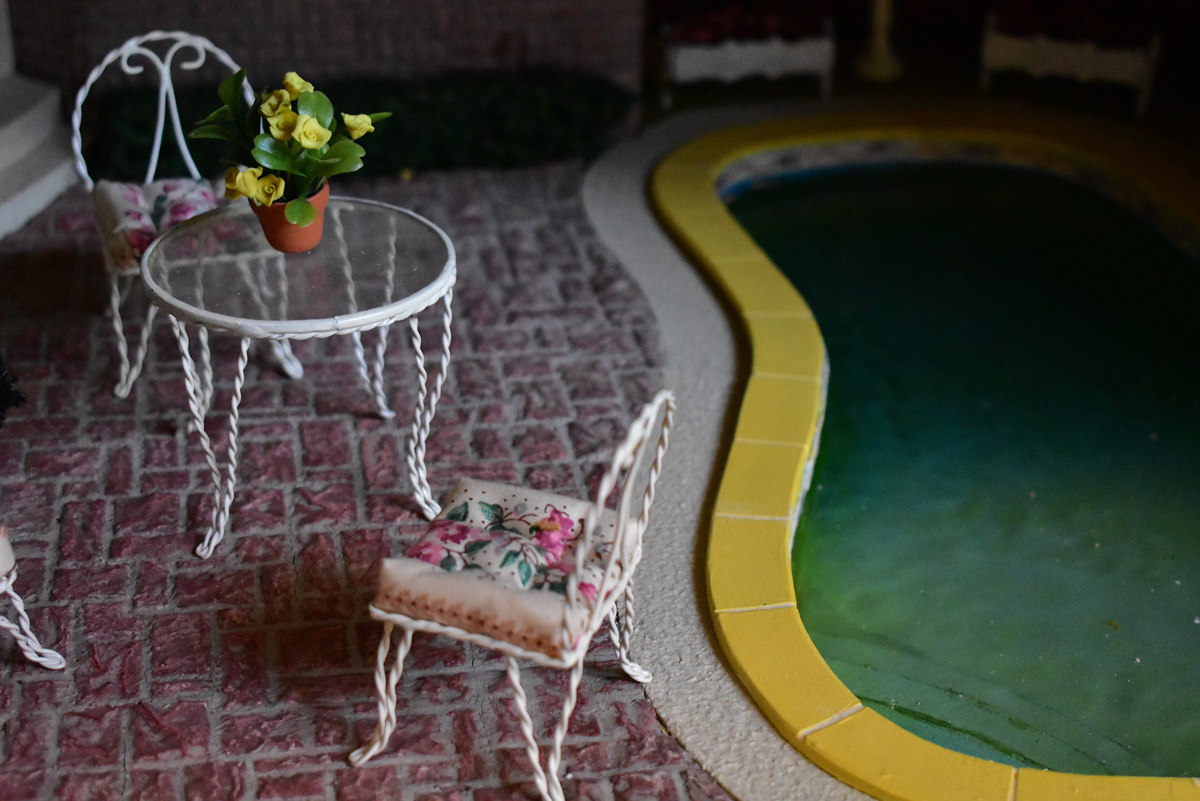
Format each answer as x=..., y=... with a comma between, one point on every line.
x=475, y=119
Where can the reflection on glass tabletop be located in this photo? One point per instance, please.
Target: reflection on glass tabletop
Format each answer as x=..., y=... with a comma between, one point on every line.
x=374, y=261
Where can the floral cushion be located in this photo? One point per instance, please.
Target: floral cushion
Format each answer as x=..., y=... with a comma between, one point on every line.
x=495, y=562
x=131, y=216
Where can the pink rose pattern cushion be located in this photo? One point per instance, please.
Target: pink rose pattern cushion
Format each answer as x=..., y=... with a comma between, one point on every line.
x=495, y=562
x=131, y=216
x=526, y=540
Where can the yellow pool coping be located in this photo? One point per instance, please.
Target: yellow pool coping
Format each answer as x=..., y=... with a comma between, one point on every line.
x=750, y=589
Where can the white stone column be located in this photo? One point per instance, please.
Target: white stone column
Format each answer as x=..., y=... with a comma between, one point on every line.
x=36, y=162
x=879, y=63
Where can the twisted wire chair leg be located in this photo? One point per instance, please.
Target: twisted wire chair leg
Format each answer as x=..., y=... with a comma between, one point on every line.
x=22, y=631
x=531, y=747
x=621, y=634
x=385, y=689
x=129, y=369
x=560, y=732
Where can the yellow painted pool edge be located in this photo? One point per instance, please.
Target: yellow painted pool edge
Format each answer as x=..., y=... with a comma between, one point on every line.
x=750, y=587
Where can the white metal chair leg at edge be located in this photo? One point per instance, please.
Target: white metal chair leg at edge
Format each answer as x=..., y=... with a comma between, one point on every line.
x=129, y=370
x=22, y=631
x=621, y=635
x=531, y=746
x=385, y=690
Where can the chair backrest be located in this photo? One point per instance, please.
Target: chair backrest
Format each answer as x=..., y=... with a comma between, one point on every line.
x=159, y=48
x=626, y=468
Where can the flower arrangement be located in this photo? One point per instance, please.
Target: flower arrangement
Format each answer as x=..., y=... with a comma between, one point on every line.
x=287, y=144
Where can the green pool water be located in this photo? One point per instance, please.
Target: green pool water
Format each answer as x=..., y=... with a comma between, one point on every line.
x=1001, y=548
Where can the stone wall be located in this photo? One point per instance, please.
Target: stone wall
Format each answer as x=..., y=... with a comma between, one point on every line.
x=61, y=40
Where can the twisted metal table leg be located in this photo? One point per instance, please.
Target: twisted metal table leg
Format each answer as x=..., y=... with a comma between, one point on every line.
x=425, y=407
x=223, y=486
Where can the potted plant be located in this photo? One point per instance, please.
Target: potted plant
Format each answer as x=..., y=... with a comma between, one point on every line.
x=286, y=146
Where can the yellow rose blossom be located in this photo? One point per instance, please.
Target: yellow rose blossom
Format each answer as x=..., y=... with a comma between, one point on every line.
x=283, y=124
x=310, y=133
x=242, y=183
x=295, y=85
x=231, y=190
x=269, y=190
x=276, y=103
x=357, y=124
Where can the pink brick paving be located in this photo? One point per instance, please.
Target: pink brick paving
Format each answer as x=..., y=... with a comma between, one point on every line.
x=249, y=675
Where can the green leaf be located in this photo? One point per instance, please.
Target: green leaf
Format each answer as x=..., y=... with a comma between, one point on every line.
x=448, y=563
x=212, y=132
x=492, y=513
x=525, y=572
x=230, y=90
x=345, y=148
x=459, y=513
x=509, y=558
x=271, y=160
x=223, y=114
x=341, y=157
x=273, y=154
x=316, y=105
x=475, y=546
x=300, y=212
x=382, y=115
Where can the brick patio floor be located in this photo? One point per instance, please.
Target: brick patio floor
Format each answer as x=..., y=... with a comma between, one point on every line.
x=249, y=675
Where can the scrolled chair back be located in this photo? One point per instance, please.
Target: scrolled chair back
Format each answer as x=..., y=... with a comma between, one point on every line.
x=194, y=49
x=627, y=469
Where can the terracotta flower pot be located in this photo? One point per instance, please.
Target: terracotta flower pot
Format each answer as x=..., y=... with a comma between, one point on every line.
x=288, y=237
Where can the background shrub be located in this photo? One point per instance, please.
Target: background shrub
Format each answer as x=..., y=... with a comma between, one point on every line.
x=461, y=119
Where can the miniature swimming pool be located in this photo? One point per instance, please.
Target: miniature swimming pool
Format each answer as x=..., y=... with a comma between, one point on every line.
x=771, y=471
x=1000, y=549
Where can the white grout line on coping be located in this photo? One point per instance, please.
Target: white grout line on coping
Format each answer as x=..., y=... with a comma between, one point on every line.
x=753, y=441
x=764, y=374
x=816, y=727
x=1012, y=786
x=748, y=517
x=782, y=605
x=781, y=314
x=788, y=376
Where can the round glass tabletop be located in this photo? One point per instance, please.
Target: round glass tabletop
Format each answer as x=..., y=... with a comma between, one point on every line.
x=375, y=263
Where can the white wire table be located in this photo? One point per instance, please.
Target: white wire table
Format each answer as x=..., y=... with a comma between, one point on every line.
x=375, y=266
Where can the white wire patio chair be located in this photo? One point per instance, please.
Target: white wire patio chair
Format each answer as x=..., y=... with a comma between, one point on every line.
x=530, y=574
x=131, y=216
x=21, y=631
